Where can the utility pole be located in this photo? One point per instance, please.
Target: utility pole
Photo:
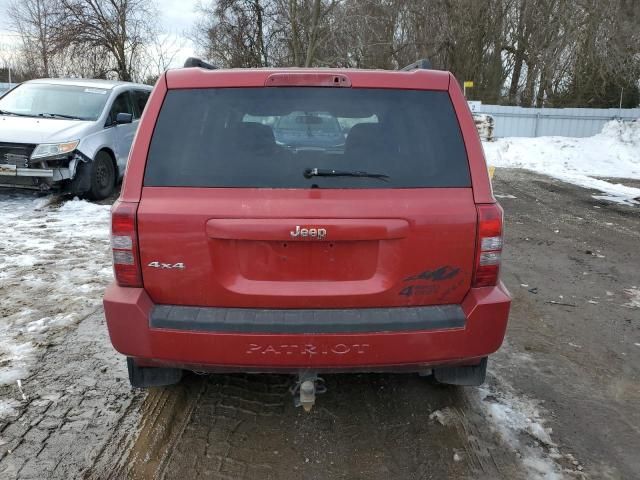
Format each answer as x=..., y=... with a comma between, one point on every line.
x=620, y=105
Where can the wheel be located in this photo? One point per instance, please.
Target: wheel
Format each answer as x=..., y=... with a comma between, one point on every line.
x=144, y=377
x=103, y=177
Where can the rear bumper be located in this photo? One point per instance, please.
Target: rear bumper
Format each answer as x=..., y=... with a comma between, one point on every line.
x=461, y=335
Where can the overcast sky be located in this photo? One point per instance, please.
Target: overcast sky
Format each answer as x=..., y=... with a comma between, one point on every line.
x=176, y=16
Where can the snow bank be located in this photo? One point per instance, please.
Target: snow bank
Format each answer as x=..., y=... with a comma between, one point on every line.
x=519, y=421
x=613, y=153
x=53, y=269
x=8, y=408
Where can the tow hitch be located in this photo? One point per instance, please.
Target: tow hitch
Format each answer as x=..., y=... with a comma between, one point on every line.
x=305, y=390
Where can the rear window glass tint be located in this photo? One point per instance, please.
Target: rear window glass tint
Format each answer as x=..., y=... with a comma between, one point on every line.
x=268, y=137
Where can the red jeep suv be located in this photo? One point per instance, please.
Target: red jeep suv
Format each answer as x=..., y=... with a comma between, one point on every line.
x=306, y=221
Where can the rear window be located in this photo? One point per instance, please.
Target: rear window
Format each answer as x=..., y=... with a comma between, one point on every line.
x=269, y=138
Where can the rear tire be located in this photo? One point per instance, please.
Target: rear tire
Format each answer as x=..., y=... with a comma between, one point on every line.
x=468, y=376
x=103, y=177
x=145, y=377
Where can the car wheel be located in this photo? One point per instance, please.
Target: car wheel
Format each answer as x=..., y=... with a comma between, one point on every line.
x=103, y=177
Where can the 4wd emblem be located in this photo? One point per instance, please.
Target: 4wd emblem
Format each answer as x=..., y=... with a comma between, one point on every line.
x=318, y=233
x=166, y=266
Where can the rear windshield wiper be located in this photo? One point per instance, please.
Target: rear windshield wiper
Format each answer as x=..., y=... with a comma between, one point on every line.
x=59, y=115
x=325, y=172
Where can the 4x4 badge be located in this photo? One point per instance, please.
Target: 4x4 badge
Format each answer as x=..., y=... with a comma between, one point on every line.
x=318, y=233
x=167, y=266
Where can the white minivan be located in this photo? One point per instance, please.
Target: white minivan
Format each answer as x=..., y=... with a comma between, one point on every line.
x=73, y=135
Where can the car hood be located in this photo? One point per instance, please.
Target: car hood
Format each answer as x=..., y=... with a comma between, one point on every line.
x=41, y=130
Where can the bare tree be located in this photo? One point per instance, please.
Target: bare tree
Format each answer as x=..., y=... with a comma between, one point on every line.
x=79, y=61
x=235, y=33
x=606, y=62
x=8, y=71
x=119, y=27
x=523, y=52
x=158, y=56
x=305, y=25
x=34, y=21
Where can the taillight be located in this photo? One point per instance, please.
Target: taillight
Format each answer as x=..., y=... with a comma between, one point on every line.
x=489, y=245
x=124, y=245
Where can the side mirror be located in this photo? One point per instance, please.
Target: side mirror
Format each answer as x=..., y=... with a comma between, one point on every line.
x=122, y=118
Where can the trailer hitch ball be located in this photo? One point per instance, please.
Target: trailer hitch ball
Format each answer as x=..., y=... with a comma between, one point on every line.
x=305, y=390
x=307, y=394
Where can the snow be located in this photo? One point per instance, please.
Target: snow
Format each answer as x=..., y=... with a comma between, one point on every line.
x=8, y=408
x=613, y=153
x=444, y=417
x=520, y=423
x=53, y=270
x=634, y=297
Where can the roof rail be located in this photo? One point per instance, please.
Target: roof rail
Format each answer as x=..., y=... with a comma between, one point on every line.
x=422, y=64
x=197, y=62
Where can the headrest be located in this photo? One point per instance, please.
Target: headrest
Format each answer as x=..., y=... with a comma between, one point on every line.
x=367, y=137
x=253, y=136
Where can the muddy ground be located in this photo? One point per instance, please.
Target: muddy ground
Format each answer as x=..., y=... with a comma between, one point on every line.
x=563, y=397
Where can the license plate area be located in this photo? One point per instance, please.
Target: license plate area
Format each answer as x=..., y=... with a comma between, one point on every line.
x=304, y=261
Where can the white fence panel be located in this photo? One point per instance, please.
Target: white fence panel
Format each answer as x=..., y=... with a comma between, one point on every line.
x=565, y=122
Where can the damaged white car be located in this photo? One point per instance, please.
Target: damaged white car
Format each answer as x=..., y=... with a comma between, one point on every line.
x=69, y=134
